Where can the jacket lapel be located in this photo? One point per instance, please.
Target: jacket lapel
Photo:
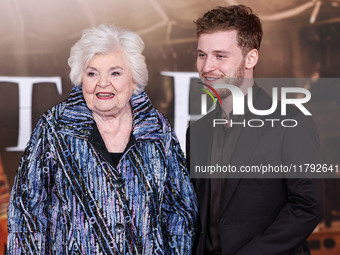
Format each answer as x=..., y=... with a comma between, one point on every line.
x=246, y=144
x=146, y=120
x=201, y=133
x=76, y=119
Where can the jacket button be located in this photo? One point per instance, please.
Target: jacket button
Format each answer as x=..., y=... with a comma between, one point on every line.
x=118, y=184
x=119, y=228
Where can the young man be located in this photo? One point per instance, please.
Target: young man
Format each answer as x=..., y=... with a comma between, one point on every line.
x=248, y=215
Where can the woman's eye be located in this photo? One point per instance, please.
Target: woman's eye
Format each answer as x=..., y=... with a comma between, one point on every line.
x=91, y=74
x=115, y=73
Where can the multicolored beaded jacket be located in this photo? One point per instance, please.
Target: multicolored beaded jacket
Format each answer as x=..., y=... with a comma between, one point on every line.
x=67, y=199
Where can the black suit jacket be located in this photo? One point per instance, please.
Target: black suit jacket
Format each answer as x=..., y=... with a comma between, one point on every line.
x=261, y=216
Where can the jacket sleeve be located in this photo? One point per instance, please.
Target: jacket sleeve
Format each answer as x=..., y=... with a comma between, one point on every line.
x=179, y=208
x=303, y=210
x=28, y=208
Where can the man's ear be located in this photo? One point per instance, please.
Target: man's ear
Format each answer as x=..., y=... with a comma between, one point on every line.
x=251, y=59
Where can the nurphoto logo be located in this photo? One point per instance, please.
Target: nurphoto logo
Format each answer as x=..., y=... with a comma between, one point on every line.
x=239, y=103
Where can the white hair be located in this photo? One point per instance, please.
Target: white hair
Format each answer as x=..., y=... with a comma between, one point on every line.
x=104, y=39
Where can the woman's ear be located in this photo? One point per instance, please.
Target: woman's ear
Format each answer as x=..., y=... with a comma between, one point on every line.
x=251, y=59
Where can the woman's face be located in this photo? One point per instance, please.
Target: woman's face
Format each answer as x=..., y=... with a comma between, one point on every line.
x=107, y=84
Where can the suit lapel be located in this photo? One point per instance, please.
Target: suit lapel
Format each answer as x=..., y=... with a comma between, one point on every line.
x=200, y=145
x=246, y=144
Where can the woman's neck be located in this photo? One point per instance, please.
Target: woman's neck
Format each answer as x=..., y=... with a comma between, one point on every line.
x=115, y=130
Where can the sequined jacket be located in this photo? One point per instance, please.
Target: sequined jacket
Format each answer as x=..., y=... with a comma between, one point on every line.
x=67, y=199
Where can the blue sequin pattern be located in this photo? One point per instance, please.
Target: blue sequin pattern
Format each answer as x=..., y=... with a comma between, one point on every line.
x=67, y=199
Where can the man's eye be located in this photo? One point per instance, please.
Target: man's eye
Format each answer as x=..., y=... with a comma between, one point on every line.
x=201, y=55
x=220, y=56
x=115, y=73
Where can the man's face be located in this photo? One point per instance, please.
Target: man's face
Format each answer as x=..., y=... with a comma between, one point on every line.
x=220, y=60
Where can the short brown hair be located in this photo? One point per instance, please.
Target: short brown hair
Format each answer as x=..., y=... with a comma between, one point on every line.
x=235, y=17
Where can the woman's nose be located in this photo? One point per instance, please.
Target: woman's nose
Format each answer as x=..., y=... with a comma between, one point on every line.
x=103, y=81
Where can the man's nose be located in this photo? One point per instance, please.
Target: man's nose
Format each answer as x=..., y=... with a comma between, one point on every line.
x=209, y=65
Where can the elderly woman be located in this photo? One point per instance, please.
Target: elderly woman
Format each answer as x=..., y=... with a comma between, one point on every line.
x=103, y=172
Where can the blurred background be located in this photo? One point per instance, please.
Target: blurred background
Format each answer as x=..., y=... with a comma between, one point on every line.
x=301, y=40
